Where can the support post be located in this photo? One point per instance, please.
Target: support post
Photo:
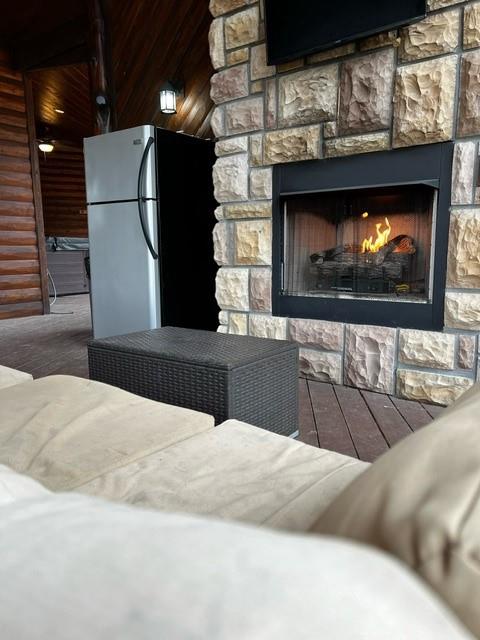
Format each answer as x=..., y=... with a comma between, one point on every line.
x=99, y=78
x=37, y=193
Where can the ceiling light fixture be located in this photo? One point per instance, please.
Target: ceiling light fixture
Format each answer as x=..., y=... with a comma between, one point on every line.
x=168, y=97
x=45, y=146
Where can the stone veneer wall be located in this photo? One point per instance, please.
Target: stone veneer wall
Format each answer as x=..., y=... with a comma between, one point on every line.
x=418, y=85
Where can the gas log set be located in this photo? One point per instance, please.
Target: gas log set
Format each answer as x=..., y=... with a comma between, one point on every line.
x=379, y=265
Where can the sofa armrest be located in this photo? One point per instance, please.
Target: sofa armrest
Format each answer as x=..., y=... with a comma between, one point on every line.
x=9, y=377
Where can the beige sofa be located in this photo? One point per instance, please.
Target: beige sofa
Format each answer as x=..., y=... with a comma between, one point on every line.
x=72, y=434
x=284, y=580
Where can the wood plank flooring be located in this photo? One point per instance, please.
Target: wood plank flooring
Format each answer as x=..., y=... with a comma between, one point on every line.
x=357, y=423
x=52, y=344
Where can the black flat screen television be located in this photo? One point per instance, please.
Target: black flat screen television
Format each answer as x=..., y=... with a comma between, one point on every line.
x=296, y=28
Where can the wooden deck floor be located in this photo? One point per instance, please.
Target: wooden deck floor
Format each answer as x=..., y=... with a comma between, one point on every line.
x=48, y=345
x=361, y=424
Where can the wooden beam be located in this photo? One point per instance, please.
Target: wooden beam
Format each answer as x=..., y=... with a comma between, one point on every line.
x=37, y=193
x=99, y=77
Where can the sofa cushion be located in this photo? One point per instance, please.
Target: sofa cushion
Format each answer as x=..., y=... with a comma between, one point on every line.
x=235, y=471
x=15, y=486
x=9, y=377
x=421, y=501
x=64, y=431
x=80, y=568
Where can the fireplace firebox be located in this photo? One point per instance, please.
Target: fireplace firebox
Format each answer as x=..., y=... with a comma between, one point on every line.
x=360, y=243
x=363, y=239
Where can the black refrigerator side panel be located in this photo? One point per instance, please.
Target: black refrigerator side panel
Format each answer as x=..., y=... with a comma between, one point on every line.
x=186, y=221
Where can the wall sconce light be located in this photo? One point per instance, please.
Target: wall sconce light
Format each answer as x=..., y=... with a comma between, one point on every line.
x=168, y=97
x=46, y=146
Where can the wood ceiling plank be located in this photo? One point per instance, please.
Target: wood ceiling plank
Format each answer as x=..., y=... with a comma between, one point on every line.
x=68, y=89
x=144, y=58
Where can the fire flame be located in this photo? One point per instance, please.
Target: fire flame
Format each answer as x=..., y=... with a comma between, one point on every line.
x=368, y=245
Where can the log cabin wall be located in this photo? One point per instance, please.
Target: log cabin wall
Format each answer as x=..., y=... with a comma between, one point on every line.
x=63, y=113
x=63, y=192
x=150, y=43
x=153, y=42
x=23, y=290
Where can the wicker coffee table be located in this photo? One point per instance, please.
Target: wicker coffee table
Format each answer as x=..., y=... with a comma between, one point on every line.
x=251, y=379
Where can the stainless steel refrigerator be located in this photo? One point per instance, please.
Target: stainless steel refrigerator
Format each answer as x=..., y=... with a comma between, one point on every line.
x=150, y=219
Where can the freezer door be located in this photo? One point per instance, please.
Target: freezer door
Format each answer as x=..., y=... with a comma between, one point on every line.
x=124, y=277
x=112, y=165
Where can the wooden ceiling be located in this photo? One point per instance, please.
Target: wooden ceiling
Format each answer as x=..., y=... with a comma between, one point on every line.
x=63, y=89
x=37, y=31
x=154, y=41
x=24, y=19
x=40, y=35
x=151, y=41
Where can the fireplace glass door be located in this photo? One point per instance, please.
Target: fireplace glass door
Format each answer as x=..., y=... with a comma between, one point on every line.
x=360, y=243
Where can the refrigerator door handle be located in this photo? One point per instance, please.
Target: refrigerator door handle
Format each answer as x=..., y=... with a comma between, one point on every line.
x=141, y=198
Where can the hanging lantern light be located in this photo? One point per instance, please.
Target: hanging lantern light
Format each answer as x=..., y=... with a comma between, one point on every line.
x=168, y=99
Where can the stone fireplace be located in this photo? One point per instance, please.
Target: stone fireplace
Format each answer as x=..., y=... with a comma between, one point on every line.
x=377, y=279
x=363, y=238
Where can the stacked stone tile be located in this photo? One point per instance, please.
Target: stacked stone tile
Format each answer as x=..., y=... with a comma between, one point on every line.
x=417, y=85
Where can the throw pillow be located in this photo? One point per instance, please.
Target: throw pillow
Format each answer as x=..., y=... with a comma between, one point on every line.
x=421, y=502
x=83, y=568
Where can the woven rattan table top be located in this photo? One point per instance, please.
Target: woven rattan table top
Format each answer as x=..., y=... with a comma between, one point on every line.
x=195, y=346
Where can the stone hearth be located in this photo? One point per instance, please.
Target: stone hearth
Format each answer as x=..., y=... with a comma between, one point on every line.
x=418, y=85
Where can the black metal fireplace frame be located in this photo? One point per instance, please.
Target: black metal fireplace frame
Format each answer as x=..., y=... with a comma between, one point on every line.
x=428, y=164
